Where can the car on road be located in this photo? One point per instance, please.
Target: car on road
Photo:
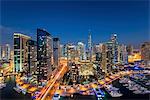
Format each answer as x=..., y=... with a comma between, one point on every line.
x=56, y=97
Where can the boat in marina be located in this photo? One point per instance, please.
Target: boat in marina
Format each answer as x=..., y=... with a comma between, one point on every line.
x=115, y=94
x=17, y=89
x=137, y=92
x=110, y=87
x=2, y=85
x=146, y=92
x=148, y=83
x=133, y=88
x=125, y=85
x=136, y=88
x=123, y=80
x=113, y=91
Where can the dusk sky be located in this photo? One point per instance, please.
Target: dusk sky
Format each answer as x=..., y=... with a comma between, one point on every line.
x=70, y=21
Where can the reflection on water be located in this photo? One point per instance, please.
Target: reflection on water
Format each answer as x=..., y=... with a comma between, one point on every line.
x=8, y=93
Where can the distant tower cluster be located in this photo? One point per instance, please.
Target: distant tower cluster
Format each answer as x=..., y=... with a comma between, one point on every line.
x=35, y=57
x=110, y=53
x=42, y=56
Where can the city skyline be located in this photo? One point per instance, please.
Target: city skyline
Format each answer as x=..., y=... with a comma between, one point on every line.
x=74, y=50
x=67, y=20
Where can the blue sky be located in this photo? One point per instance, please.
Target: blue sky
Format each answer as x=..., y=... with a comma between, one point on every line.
x=71, y=20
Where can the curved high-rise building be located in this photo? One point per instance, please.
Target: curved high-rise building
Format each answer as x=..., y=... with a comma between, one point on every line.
x=20, y=52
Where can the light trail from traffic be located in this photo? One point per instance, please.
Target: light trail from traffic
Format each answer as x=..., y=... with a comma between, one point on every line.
x=44, y=92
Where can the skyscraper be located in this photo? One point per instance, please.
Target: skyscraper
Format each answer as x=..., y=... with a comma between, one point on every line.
x=1, y=51
x=145, y=53
x=20, y=52
x=129, y=49
x=104, y=58
x=61, y=50
x=74, y=73
x=109, y=56
x=56, y=51
x=114, y=48
x=64, y=50
x=44, y=53
x=7, y=52
x=32, y=57
x=97, y=52
x=90, y=46
x=71, y=52
x=122, y=54
x=81, y=51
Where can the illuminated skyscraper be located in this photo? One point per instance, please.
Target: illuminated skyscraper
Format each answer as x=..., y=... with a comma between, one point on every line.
x=32, y=57
x=81, y=51
x=44, y=53
x=74, y=73
x=56, y=51
x=114, y=48
x=97, y=52
x=71, y=52
x=90, y=46
x=98, y=56
x=104, y=58
x=145, y=53
x=64, y=50
x=122, y=54
x=109, y=56
x=1, y=51
x=61, y=50
x=7, y=51
x=20, y=52
x=130, y=49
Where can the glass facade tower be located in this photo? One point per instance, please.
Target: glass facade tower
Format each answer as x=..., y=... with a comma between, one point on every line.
x=44, y=53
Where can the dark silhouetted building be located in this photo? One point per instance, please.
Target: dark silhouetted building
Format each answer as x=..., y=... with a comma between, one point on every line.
x=32, y=57
x=44, y=53
x=56, y=51
x=145, y=53
x=129, y=49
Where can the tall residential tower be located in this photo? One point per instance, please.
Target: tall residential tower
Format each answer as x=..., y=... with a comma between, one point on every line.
x=20, y=52
x=56, y=51
x=44, y=53
x=89, y=46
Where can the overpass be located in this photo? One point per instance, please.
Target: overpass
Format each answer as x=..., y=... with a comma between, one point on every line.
x=48, y=91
